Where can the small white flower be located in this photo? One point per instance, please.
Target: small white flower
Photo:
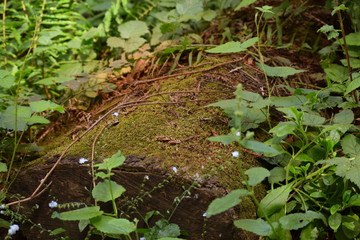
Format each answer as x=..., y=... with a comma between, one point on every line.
x=235, y=154
x=2, y=206
x=13, y=229
x=147, y=177
x=238, y=134
x=174, y=169
x=83, y=160
x=142, y=238
x=2, y=212
x=204, y=215
x=53, y=204
x=116, y=114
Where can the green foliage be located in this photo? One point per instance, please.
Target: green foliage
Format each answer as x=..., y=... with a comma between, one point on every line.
x=110, y=224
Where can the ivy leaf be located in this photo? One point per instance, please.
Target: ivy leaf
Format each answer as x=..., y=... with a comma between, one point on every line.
x=351, y=145
x=233, y=47
x=220, y=205
x=347, y=168
x=299, y=220
x=133, y=29
x=257, y=175
x=107, y=190
x=274, y=200
x=44, y=105
x=79, y=214
x=279, y=71
x=258, y=226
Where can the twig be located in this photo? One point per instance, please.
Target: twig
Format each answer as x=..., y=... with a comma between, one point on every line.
x=29, y=198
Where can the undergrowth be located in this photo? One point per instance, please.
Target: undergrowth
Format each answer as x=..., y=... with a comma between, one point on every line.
x=58, y=54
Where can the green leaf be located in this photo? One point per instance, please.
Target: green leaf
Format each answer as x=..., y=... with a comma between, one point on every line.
x=53, y=80
x=209, y=15
x=107, y=190
x=4, y=223
x=335, y=221
x=133, y=29
x=244, y=3
x=75, y=43
x=133, y=44
x=265, y=9
x=354, y=84
x=189, y=9
x=38, y=119
x=351, y=145
x=163, y=229
x=44, y=105
x=260, y=147
x=6, y=80
x=57, y=231
x=344, y=117
x=257, y=175
x=233, y=47
x=313, y=119
x=354, y=62
x=7, y=118
x=352, y=39
x=274, y=200
x=112, y=225
x=337, y=73
x=277, y=174
x=283, y=129
x=258, y=226
x=289, y=101
x=115, y=42
x=3, y=167
x=79, y=214
x=299, y=220
x=114, y=161
x=83, y=224
x=347, y=168
x=279, y=71
x=310, y=232
x=220, y=205
x=225, y=139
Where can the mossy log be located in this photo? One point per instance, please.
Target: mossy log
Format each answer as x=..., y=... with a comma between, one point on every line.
x=170, y=132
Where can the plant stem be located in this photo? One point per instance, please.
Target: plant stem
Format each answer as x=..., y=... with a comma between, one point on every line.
x=345, y=48
x=4, y=30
